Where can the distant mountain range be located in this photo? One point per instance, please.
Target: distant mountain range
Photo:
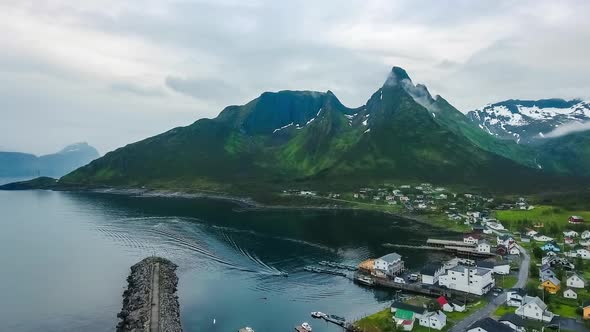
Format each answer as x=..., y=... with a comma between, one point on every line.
x=526, y=121
x=18, y=164
x=307, y=138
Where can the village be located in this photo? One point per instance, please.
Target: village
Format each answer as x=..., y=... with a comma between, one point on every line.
x=528, y=281
x=526, y=274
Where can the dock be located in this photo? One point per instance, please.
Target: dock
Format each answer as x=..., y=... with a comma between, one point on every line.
x=458, y=248
x=417, y=287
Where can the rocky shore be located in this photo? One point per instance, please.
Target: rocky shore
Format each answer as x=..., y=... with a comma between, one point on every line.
x=137, y=299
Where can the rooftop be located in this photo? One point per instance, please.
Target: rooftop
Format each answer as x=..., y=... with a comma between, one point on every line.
x=488, y=324
x=391, y=258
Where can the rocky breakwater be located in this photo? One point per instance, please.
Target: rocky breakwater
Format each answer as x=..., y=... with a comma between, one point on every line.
x=150, y=302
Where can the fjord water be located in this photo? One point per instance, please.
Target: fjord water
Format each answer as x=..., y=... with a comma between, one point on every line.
x=65, y=258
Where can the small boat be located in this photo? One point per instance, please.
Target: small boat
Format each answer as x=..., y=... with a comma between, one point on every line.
x=306, y=326
x=246, y=329
x=318, y=314
x=365, y=280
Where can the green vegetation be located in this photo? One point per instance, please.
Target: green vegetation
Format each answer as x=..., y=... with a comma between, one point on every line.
x=382, y=321
x=506, y=282
x=305, y=139
x=378, y=322
x=504, y=309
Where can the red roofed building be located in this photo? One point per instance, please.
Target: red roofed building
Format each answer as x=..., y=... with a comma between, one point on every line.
x=444, y=304
x=472, y=238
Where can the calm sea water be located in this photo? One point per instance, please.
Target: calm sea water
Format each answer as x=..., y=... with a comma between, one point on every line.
x=64, y=258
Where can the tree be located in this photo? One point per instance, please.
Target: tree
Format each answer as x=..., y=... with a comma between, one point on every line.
x=537, y=252
x=533, y=271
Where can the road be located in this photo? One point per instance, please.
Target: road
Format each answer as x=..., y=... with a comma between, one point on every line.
x=155, y=299
x=523, y=275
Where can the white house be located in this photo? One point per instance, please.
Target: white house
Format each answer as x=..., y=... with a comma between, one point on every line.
x=474, y=280
x=431, y=272
x=435, y=320
x=570, y=294
x=581, y=253
x=488, y=325
x=514, y=251
x=389, y=265
x=585, y=235
x=505, y=240
x=532, y=233
x=575, y=281
x=484, y=247
x=471, y=238
x=495, y=225
x=571, y=234
x=458, y=306
x=542, y=238
x=515, y=296
x=444, y=304
x=502, y=267
x=534, y=308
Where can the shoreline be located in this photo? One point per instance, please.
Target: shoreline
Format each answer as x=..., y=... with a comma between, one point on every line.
x=246, y=203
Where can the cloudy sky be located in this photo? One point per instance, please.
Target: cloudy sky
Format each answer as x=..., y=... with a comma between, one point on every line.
x=111, y=72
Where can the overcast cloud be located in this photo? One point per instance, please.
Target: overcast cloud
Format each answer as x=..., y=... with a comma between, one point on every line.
x=112, y=72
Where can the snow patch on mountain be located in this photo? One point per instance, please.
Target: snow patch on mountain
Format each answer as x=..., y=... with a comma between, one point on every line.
x=530, y=119
x=283, y=127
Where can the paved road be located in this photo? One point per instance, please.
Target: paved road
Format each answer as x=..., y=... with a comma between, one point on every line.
x=155, y=298
x=523, y=274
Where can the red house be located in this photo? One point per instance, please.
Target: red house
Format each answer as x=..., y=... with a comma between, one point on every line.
x=575, y=220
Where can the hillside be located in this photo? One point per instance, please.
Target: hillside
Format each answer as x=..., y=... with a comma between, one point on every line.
x=295, y=138
x=17, y=164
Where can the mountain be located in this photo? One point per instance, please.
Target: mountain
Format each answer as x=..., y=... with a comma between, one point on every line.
x=525, y=121
x=306, y=138
x=18, y=164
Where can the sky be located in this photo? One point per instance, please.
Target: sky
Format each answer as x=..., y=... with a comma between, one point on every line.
x=112, y=72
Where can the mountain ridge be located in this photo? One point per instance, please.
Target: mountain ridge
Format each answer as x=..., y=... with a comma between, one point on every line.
x=289, y=138
x=55, y=164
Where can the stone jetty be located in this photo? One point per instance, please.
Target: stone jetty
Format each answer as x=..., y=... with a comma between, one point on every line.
x=150, y=303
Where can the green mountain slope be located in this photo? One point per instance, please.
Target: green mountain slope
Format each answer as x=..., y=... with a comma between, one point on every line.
x=292, y=137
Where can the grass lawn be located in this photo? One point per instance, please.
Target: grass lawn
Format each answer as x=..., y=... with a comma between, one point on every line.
x=543, y=213
x=378, y=322
x=504, y=309
x=455, y=316
x=564, y=310
x=506, y=282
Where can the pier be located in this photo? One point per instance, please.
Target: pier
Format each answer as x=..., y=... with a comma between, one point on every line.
x=150, y=303
x=458, y=248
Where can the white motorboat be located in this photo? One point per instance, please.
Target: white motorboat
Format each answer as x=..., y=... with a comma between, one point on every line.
x=306, y=326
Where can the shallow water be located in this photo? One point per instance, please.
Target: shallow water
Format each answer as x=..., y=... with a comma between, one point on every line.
x=65, y=257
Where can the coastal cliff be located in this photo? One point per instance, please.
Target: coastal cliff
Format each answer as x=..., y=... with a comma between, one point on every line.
x=150, y=302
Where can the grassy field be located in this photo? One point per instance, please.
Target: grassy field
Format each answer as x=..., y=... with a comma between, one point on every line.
x=546, y=214
x=504, y=309
x=506, y=282
x=378, y=322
